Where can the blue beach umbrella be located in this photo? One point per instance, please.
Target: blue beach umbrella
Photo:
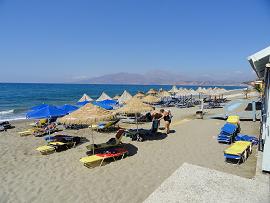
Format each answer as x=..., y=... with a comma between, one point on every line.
x=109, y=102
x=82, y=103
x=34, y=108
x=48, y=111
x=68, y=108
x=104, y=106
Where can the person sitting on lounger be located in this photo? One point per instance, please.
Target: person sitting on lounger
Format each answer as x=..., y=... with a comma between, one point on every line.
x=50, y=126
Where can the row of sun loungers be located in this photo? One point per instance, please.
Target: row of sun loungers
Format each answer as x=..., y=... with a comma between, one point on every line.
x=113, y=149
x=59, y=143
x=39, y=131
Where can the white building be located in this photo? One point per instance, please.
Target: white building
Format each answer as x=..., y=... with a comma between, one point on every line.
x=260, y=62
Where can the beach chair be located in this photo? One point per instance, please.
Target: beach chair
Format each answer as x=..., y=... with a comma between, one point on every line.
x=238, y=151
x=234, y=120
x=140, y=134
x=5, y=125
x=39, y=123
x=98, y=159
x=227, y=134
x=110, y=143
x=45, y=131
x=29, y=131
x=59, y=144
x=62, y=138
x=105, y=126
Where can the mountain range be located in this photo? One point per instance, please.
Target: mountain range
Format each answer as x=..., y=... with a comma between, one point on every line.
x=157, y=78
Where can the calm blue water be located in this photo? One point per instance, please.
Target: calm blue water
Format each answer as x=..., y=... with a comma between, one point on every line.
x=17, y=98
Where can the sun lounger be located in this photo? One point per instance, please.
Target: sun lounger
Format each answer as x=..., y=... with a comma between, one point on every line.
x=227, y=134
x=93, y=160
x=139, y=135
x=45, y=132
x=29, y=131
x=239, y=151
x=105, y=126
x=234, y=120
x=111, y=142
x=5, y=125
x=62, y=138
x=57, y=146
x=39, y=123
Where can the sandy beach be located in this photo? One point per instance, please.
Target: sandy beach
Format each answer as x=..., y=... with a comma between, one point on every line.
x=28, y=176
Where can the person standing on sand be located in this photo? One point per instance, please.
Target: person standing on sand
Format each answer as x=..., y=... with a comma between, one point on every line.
x=167, y=116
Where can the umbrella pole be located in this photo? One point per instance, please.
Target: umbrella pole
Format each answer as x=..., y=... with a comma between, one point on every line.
x=136, y=121
x=92, y=133
x=49, y=128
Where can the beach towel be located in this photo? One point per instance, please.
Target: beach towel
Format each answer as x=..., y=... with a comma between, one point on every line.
x=254, y=140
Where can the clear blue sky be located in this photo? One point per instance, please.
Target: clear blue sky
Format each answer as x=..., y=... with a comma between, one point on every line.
x=62, y=41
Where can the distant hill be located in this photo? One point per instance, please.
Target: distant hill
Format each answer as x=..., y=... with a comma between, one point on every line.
x=151, y=78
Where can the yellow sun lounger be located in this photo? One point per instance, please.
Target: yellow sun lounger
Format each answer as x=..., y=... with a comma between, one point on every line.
x=40, y=123
x=93, y=160
x=90, y=160
x=104, y=126
x=29, y=131
x=46, y=149
x=239, y=151
x=52, y=147
x=25, y=133
x=234, y=120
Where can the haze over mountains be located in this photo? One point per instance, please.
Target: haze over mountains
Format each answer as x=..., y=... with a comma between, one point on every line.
x=167, y=78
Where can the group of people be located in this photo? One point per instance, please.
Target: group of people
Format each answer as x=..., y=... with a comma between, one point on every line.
x=157, y=116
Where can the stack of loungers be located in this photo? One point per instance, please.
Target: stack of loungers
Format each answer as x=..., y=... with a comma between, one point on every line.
x=227, y=134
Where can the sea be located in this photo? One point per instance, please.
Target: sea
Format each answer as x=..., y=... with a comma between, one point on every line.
x=17, y=98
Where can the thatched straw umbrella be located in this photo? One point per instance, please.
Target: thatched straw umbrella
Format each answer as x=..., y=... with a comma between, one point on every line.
x=85, y=97
x=125, y=97
x=200, y=90
x=193, y=92
x=174, y=90
x=150, y=99
x=139, y=95
x=134, y=106
x=181, y=92
x=152, y=92
x=103, y=97
x=204, y=90
x=163, y=94
x=88, y=115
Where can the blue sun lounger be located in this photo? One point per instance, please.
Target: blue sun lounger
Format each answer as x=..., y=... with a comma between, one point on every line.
x=227, y=133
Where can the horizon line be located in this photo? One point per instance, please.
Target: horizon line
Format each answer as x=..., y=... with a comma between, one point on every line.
x=68, y=83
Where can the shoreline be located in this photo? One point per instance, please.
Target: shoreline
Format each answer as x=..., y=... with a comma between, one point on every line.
x=6, y=116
